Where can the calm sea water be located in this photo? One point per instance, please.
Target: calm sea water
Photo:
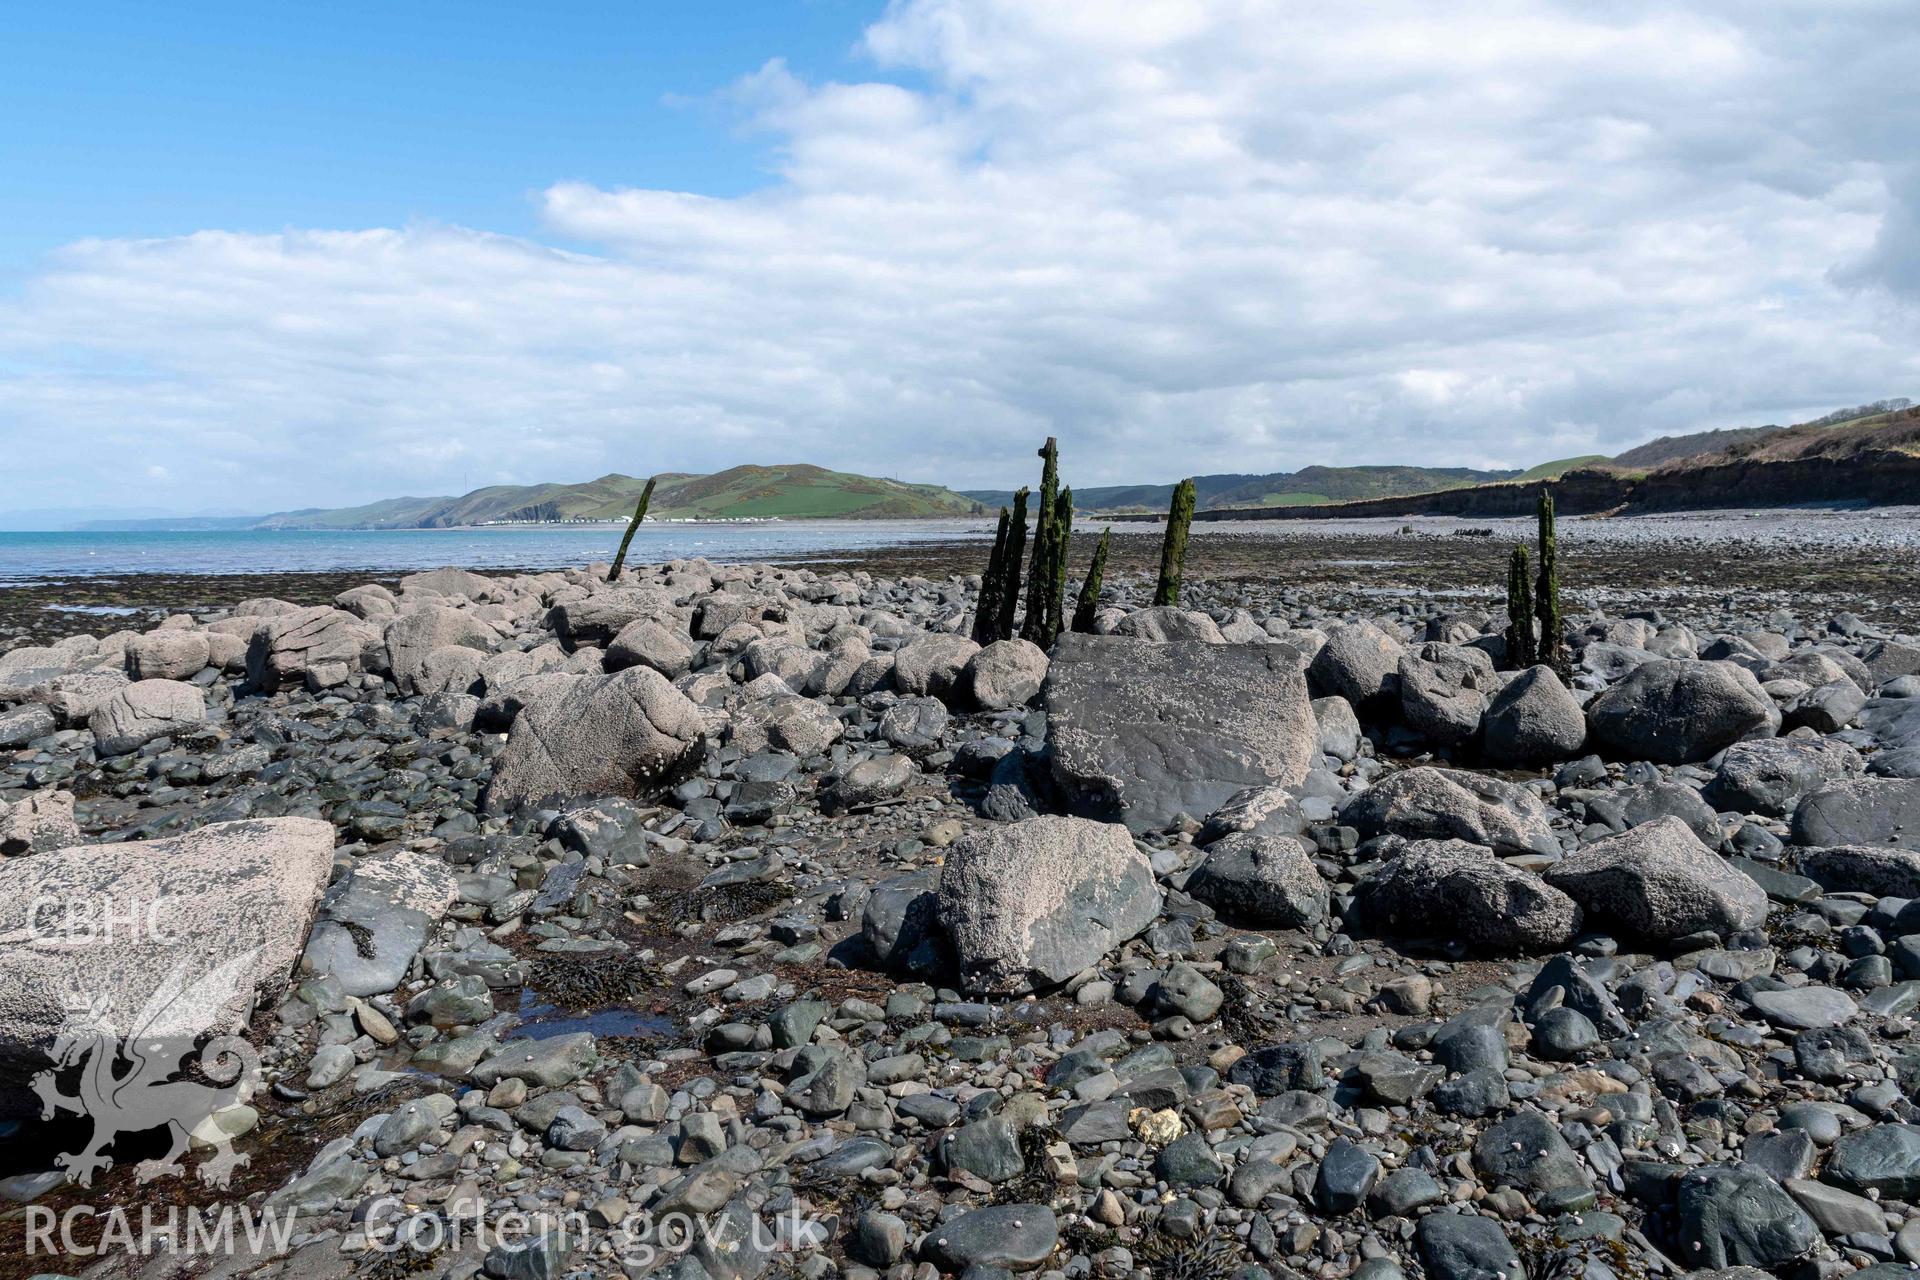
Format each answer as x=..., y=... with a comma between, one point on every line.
x=27, y=557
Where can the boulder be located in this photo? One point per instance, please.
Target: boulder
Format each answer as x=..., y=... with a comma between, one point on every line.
x=177, y=938
x=374, y=920
x=1677, y=712
x=24, y=724
x=617, y=735
x=449, y=582
x=788, y=723
x=1035, y=902
x=932, y=665
x=649, y=642
x=283, y=648
x=1876, y=811
x=37, y=822
x=1534, y=720
x=1005, y=674
x=1165, y=624
x=1266, y=881
x=1426, y=803
x=1142, y=733
x=1359, y=662
x=1339, y=727
x=1740, y=1217
x=599, y=618
x=1769, y=776
x=412, y=636
x=1437, y=702
x=1882, y=870
x=143, y=711
x=171, y=654
x=1658, y=882
x=1450, y=889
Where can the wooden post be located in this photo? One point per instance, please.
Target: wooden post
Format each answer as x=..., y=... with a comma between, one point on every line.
x=1089, y=600
x=639, y=514
x=1173, y=551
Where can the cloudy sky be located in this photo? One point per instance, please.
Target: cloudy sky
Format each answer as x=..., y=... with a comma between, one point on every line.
x=249, y=266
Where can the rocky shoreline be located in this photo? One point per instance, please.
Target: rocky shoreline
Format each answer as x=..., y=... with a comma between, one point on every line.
x=1287, y=933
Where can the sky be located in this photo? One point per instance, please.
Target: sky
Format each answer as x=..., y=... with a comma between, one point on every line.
x=257, y=257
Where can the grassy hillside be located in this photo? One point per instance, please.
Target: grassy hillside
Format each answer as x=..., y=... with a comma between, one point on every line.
x=801, y=491
x=797, y=491
x=1559, y=467
x=1307, y=486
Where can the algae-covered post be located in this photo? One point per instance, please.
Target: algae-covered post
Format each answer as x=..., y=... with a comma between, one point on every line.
x=639, y=514
x=986, y=614
x=1520, y=641
x=1010, y=565
x=1173, y=551
x=1057, y=565
x=1033, y=627
x=1551, y=646
x=1090, y=589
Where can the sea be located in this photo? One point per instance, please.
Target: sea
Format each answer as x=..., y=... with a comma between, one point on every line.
x=44, y=557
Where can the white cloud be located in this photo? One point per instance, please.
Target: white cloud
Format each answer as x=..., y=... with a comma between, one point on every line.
x=1182, y=236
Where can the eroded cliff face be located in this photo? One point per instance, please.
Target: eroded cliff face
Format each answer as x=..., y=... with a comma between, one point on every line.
x=1881, y=476
x=1885, y=476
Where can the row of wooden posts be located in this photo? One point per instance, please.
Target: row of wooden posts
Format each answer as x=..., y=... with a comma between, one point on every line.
x=1046, y=576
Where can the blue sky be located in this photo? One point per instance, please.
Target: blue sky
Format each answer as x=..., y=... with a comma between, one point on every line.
x=141, y=120
x=268, y=256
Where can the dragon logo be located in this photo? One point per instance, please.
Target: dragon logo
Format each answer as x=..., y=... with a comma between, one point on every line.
x=132, y=1083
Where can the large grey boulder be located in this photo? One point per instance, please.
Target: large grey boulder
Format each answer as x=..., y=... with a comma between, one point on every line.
x=450, y=581
x=1769, y=776
x=1143, y=732
x=785, y=722
x=617, y=735
x=1165, y=624
x=25, y=723
x=1266, y=881
x=283, y=648
x=143, y=711
x=173, y=653
x=1452, y=890
x=1677, y=712
x=1885, y=871
x=1440, y=700
x=374, y=920
x=932, y=665
x=649, y=642
x=1035, y=902
x=597, y=619
x=1882, y=811
x=37, y=822
x=170, y=939
x=1359, y=662
x=1006, y=673
x=1425, y=803
x=73, y=697
x=1534, y=720
x=1740, y=1217
x=1658, y=882
x=412, y=636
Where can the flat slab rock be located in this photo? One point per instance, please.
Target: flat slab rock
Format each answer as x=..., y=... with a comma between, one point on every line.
x=204, y=926
x=1142, y=732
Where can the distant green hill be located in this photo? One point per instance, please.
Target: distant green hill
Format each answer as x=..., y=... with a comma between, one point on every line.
x=797, y=491
x=1548, y=470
